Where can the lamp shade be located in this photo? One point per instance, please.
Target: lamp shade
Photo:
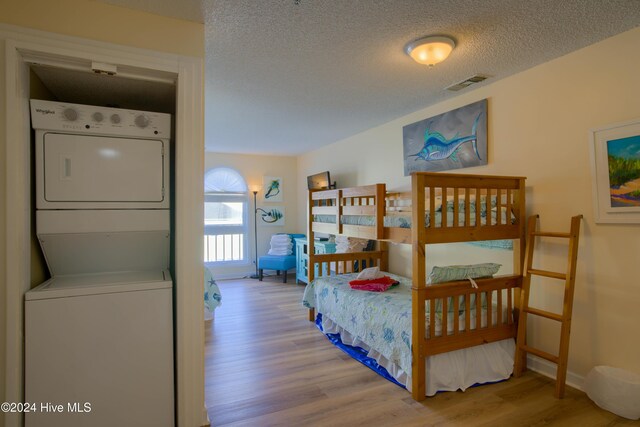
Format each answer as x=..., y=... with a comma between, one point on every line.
x=430, y=50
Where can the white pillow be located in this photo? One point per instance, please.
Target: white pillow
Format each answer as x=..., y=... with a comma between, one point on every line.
x=370, y=274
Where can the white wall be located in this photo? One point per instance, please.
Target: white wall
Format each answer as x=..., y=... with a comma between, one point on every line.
x=538, y=127
x=253, y=168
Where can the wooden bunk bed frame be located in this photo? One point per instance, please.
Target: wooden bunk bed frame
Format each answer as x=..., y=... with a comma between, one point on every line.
x=428, y=191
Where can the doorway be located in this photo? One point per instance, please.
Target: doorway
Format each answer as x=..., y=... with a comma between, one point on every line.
x=23, y=49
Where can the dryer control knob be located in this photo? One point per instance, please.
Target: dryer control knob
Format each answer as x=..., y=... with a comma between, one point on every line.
x=97, y=116
x=115, y=119
x=70, y=114
x=142, y=121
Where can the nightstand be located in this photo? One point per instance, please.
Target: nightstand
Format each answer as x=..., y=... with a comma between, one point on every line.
x=302, y=256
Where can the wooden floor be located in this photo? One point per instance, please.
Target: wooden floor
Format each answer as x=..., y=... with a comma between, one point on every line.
x=266, y=365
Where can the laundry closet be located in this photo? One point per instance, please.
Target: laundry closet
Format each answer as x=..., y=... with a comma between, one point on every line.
x=99, y=323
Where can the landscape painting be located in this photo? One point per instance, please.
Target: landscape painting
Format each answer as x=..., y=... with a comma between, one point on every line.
x=452, y=140
x=615, y=166
x=623, y=156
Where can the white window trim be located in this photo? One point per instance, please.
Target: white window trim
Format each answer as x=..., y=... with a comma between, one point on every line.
x=243, y=229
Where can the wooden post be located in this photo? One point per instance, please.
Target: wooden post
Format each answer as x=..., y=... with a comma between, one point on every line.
x=567, y=310
x=520, y=362
x=519, y=247
x=384, y=258
x=380, y=210
x=418, y=334
x=310, y=249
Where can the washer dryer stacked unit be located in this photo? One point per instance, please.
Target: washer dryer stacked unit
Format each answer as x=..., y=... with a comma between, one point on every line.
x=100, y=331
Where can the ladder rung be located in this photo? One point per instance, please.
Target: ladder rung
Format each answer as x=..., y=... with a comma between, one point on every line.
x=550, y=234
x=550, y=357
x=547, y=314
x=545, y=273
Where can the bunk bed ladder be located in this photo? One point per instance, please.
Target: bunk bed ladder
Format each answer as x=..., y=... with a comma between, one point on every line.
x=565, y=318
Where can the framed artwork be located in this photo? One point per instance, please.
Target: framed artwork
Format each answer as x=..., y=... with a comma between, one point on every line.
x=272, y=189
x=615, y=167
x=272, y=216
x=452, y=140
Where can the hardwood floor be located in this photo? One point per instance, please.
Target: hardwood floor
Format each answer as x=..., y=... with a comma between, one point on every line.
x=267, y=365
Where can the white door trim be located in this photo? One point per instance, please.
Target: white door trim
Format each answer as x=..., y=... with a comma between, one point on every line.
x=189, y=143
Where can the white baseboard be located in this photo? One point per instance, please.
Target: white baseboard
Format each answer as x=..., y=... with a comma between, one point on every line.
x=549, y=369
x=246, y=274
x=239, y=275
x=206, y=422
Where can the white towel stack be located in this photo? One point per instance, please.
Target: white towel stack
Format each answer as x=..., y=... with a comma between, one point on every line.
x=281, y=245
x=350, y=244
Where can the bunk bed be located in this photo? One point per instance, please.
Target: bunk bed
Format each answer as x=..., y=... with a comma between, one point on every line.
x=440, y=208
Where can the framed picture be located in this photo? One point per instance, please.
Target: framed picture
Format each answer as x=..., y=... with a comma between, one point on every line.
x=272, y=189
x=452, y=140
x=271, y=216
x=615, y=166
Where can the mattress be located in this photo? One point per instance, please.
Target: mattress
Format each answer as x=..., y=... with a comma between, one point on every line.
x=381, y=324
x=404, y=220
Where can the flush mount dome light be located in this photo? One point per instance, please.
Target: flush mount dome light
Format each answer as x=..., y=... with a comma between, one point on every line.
x=430, y=50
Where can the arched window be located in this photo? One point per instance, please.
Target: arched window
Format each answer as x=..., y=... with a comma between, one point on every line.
x=225, y=216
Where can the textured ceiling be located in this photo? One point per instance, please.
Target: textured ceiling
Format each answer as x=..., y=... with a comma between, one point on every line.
x=284, y=77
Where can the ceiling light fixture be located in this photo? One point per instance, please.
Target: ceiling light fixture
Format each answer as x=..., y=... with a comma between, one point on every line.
x=430, y=50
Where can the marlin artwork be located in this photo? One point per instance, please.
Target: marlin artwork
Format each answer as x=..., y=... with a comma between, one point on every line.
x=452, y=140
x=437, y=147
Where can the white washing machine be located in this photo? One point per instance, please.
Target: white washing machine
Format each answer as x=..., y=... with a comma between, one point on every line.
x=99, y=333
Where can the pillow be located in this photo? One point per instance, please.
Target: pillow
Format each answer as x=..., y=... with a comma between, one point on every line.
x=472, y=204
x=370, y=273
x=453, y=273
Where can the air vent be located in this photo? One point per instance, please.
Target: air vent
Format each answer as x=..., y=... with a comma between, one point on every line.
x=477, y=78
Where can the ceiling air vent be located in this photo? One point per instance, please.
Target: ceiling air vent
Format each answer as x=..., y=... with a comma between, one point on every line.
x=467, y=82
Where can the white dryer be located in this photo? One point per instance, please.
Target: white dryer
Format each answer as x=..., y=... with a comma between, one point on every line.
x=99, y=333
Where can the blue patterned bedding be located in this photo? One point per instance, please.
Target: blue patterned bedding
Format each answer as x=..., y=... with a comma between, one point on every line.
x=380, y=323
x=404, y=220
x=212, y=296
x=380, y=319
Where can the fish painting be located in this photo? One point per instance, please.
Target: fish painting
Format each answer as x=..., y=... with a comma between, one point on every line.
x=270, y=216
x=437, y=147
x=273, y=216
x=452, y=140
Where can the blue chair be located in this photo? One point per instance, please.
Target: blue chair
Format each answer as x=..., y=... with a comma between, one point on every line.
x=279, y=262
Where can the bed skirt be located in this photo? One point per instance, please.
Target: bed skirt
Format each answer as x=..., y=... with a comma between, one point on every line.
x=455, y=370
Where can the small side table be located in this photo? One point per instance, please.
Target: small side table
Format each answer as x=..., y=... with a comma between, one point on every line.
x=302, y=256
